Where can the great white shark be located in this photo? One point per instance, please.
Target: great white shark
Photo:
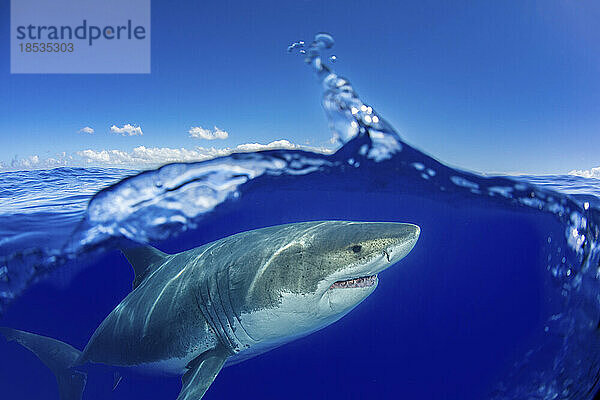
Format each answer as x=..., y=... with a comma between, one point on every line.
x=194, y=312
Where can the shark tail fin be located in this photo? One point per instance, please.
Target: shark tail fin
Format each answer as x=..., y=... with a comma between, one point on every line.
x=59, y=357
x=144, y=260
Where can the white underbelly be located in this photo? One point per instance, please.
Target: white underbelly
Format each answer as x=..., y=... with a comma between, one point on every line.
x=169, y=367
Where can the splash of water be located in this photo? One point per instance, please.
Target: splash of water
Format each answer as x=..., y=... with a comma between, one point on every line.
x=348, y=115
x=155, y=204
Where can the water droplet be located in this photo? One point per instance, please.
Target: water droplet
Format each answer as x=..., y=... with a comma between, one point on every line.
x=325, y=39
x=333, y=58
x=296, y=46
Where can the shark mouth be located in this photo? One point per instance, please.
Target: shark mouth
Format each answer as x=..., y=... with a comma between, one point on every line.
x=364, y=281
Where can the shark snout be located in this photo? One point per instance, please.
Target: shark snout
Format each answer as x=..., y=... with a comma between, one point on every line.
x=385, y=243
x=404, y=241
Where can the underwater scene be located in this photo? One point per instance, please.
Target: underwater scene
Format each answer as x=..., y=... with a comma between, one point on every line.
x=374, y=271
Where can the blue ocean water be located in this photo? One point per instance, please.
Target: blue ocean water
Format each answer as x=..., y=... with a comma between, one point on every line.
x=500, y=299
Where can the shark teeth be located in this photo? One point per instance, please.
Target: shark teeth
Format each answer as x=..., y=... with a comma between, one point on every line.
x=364, y=281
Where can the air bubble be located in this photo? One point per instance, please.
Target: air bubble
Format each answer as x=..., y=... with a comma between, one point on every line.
x=296, y=45
x=325, y=39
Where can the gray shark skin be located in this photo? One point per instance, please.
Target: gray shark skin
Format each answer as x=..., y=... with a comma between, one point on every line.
x=193, y=312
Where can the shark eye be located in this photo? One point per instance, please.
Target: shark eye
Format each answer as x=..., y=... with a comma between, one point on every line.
x=356, y=248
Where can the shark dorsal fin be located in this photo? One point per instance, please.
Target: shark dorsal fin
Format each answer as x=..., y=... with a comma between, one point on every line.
x=144, y=260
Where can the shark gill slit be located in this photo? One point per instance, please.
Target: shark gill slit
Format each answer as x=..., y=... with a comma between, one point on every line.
x=207, y=306
x=226, y=302
x=202, y=313
x=228, y=328
x=207, y=316
x=225, y=339
x=237, y=317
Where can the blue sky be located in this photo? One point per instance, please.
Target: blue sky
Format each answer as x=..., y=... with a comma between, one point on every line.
x=510, y=86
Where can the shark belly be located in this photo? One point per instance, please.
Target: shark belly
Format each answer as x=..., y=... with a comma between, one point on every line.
x=168, y=367
x=292, y=324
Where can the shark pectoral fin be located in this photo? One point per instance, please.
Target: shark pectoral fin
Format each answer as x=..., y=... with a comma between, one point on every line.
x=201, y=373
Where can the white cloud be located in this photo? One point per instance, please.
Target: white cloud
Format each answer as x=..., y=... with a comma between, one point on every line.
x=29, y=162
x=86, y=129
x=36, y=162
x=199, y=132
x=278, y=144
x=154, y=156
x=587, y=173
x=144, y=157
x=127, y=130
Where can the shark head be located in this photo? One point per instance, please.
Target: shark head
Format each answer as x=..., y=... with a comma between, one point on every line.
x=353, y=255
x=322, y=271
